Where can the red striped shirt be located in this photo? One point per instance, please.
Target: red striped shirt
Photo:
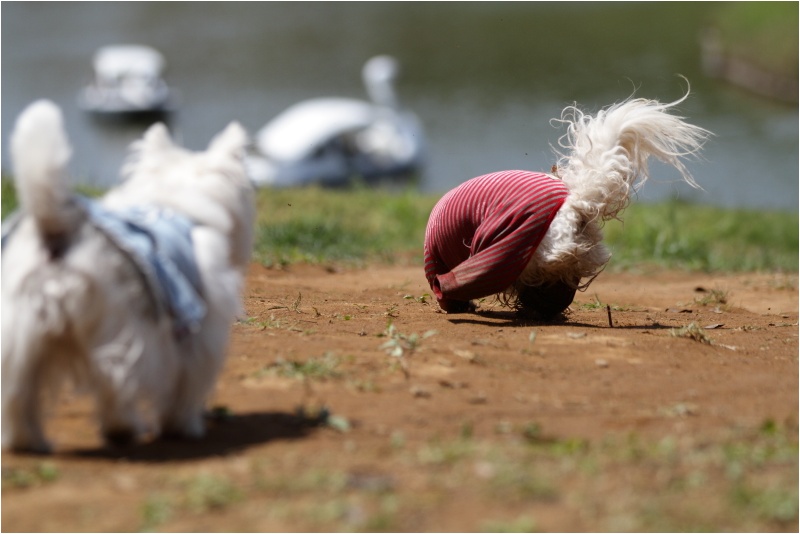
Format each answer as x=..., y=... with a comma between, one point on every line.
x=482, y=234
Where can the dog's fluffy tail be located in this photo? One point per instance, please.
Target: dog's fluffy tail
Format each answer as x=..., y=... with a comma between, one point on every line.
x=40, y=151
x=606, y=158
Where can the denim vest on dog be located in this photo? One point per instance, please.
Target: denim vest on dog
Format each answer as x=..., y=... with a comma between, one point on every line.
x=159, y=243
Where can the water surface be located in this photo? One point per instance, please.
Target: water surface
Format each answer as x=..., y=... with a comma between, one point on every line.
x=485, y=78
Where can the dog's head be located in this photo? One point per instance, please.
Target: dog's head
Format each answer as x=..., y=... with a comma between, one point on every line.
x=211, y=187
x=545, y=301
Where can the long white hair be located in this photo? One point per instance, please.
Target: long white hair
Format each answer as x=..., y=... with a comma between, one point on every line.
x=604, y=160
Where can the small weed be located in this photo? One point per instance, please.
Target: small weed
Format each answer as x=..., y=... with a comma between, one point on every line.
x=447, y=453
x=779, y=505
x=749, y=328
x=714, y=297
x=209, y=492
x=520, y=524
x=512, y=483
x=694, y=332
x=156, y=510
x=384, y=519
x=398, y=439
x=322, y=416
x=296, y=303
x=595, y=305
x=313, y=368
x=269, y=324
x=680, y=409
x=422, y=299
x=365, y=386
x=532, y=432
x=402, y=346
x=42, y=473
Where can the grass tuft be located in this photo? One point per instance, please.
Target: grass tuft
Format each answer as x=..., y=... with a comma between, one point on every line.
x=694, y=332
x=320, y=368
x=704, y=238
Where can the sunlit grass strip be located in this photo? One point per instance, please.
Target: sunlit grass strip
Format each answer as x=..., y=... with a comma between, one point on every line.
x=360, y=225
x=322, y=225
x=703, y=238
x=319, y=225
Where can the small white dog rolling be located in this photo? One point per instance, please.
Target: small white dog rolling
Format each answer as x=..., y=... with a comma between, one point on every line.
x=130, y=296
x=535, y=238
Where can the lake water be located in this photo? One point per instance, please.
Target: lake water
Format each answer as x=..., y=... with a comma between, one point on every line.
x=485, y=79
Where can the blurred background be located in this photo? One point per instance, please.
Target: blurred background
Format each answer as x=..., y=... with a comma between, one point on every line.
x=484, y=78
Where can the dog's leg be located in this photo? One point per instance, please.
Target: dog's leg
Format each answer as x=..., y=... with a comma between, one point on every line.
x=120, y=424
x=117, y=388
x=204, y=353
x=185, y=416
x=119, y=421
x=23, y=381
x=204, y=357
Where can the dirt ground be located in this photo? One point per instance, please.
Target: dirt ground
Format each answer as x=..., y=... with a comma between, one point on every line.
x=327, y=418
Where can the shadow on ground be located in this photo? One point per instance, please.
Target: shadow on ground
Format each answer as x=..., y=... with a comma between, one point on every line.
x=226, y=434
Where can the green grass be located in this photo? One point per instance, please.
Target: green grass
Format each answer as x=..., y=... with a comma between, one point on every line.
x=38, y=475
x=744, y=479
x=320, y=225
x=703, y=238
x=320, y=368
x=763, y=32
x=360, y=225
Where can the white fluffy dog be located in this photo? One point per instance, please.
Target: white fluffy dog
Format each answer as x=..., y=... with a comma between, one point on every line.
x=536, y=238
x=131, y=296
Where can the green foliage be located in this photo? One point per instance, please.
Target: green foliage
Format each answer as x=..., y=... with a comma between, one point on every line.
x=320, y=225
x=402, y=346
x=34, y=476
x=354, y=226
x=155, y=510
x=694, y=332
x=210, y=492
x=763, y=32
x=9, y=200
x=520, y=524
x=686, y=236
x=8, y=197
x=312, y=368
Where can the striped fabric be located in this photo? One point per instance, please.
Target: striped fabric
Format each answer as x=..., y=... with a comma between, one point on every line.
x=481, y=235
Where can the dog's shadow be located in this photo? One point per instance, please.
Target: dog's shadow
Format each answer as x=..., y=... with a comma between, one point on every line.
x=502, y=318
x=224, y=436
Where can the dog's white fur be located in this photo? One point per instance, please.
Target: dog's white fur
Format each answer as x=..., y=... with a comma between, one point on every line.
x=604, y=164
x=74, y=306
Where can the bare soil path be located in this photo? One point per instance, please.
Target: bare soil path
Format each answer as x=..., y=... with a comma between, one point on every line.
x=326, y=418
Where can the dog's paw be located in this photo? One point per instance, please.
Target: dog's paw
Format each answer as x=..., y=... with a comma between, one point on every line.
x=120, y=437
x=188, y=428
x=31, y=442
x=457, y=306
x=546, y=302
x=43, y=448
